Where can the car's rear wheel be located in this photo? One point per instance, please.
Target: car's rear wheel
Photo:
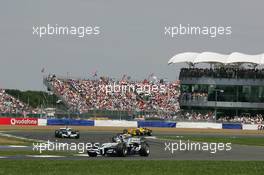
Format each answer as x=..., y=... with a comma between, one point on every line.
x=121, y=150
x=138, y=133
x=92, y=154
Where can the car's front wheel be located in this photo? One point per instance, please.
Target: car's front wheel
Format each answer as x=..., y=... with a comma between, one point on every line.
x=125, y=131
x=77, y=136
x=149, y=133
x=144, y=151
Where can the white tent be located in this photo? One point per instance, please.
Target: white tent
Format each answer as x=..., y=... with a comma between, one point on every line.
x=186, y=57
x=212, y=57
x=237, y=57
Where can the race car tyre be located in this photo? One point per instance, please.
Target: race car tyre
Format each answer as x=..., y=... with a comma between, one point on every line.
x=138, y=133
x=78, y=136
x=121, y=150
x=149, y=133
x=92, y=154
x=144, y=151
x=125, y=131
x=57, y=134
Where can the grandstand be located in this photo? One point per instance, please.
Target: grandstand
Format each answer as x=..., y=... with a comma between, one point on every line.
x=84, y=95
x=231, y=88
x=11, y=105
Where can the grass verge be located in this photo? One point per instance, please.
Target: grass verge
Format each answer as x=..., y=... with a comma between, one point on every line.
x=4, y=140
x=130, y=167
x=31, y=152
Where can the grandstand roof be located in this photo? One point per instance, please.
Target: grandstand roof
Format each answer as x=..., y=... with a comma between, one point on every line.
x=212, y=57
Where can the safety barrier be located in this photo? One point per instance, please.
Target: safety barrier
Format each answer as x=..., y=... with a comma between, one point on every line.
x=115, y=123
x=156, y=124
x=124, y=123
x=70, y=122
x=232, y=126
x=42, y=122
x=19, y=121
x=202, y=125
x=250, y=127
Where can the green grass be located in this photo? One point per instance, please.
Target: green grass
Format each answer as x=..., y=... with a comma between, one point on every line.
x=253, y=141
x=9, y=152
x=4, y=140
x=130, y=167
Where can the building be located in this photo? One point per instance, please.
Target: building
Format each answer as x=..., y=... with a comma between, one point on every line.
x=231, y=85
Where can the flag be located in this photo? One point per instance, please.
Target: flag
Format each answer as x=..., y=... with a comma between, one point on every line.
x=94, y=73
x=151, y=75
x=123, y=78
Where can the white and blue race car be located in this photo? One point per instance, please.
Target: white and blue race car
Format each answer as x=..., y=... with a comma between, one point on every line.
x=67, y=133
x=121, y=146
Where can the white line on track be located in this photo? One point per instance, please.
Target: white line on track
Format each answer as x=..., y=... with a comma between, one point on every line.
x=1, y=157
x=151, y=137
x=81, y=155
x=44, y=156
x=18, y=137
x=17, y=146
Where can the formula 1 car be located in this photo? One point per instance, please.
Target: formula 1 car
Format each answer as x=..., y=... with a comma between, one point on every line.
x=138, y=131
x=67, y=133
x=121, y=146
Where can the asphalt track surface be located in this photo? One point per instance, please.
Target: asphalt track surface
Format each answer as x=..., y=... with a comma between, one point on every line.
x=157, y=146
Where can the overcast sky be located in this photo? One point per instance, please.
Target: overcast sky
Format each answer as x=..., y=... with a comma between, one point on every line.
x=131, y=42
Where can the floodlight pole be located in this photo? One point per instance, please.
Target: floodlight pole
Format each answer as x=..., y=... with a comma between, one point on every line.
x=215, y=112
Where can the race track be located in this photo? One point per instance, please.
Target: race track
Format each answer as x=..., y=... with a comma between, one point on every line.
x=157, y=146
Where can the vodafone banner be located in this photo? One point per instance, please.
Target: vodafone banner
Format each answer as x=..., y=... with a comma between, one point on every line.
x=18, y=121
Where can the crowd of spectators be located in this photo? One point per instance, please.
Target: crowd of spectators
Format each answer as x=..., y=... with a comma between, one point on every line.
x=208, y=117
x=167, y=116
x=194, y=96
x=196, y=116
x=85, y=95
x=9, y=104
x=246, y=119
x=184, y=116
x=223, y=72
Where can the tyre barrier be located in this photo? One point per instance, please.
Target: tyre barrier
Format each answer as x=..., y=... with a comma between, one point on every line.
x=250, y=127
x=70, y=122
x=115, y=123
x=231, y=126
x=199, y=125
x=156, y=124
